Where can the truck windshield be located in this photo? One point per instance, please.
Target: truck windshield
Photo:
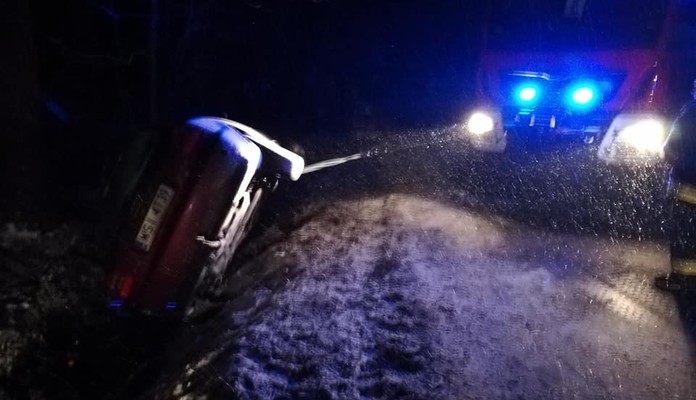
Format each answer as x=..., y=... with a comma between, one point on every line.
x=575, y=25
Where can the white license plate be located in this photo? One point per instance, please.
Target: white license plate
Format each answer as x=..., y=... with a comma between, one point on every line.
x=153, y=219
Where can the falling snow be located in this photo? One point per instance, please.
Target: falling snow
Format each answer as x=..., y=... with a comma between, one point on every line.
x=420, y=270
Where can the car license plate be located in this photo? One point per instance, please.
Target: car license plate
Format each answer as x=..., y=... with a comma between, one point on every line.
x=153, y=219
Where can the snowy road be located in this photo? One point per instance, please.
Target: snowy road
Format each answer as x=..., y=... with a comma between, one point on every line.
x=395, y=293
x=433, y=273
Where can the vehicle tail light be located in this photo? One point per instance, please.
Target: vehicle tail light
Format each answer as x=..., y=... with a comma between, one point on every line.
x=121, y=285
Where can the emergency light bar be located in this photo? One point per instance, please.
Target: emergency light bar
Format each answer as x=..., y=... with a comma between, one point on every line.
x=527, y=94
x=579, y=96
x=582, y=95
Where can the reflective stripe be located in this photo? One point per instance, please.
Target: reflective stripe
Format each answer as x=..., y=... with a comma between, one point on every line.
x=684, y=266
x=686, y=193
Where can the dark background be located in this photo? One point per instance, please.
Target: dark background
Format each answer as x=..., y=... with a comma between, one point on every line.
x=79, y=78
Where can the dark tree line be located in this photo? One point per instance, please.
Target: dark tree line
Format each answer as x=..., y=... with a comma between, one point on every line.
x=81, y=77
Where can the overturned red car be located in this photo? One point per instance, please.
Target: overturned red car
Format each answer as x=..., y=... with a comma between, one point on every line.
x=189, y=206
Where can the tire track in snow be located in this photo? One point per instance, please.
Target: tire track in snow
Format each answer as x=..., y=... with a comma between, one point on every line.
x=403, y=297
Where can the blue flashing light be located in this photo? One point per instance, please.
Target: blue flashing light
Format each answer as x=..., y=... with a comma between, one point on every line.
x=171, y=305
x=116, y=303
x=583, y=95
x=526, y=94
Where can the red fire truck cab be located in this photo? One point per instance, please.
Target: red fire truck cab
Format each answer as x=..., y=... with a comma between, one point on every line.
x=593, y=70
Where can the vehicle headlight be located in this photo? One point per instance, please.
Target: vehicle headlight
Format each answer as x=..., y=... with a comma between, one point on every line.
x=480, y=123
x=645, y=135
x=484, y=130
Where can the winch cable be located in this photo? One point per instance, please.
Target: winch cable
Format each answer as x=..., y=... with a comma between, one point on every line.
x=444, y=136
x=449, y=135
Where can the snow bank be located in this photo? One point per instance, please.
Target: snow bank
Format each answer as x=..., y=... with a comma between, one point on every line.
x=46, y=285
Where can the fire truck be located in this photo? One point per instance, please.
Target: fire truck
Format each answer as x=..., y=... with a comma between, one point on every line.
x=592, y=71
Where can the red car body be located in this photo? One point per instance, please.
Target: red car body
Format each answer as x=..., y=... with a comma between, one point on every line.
x=189, y=210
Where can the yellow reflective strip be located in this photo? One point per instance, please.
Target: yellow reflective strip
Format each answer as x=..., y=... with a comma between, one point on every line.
x=684, y=266
x=686, y=193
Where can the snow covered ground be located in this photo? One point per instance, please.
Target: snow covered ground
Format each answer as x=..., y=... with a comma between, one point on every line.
x=48, y=286
x=398, y=296
x=428, y=273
